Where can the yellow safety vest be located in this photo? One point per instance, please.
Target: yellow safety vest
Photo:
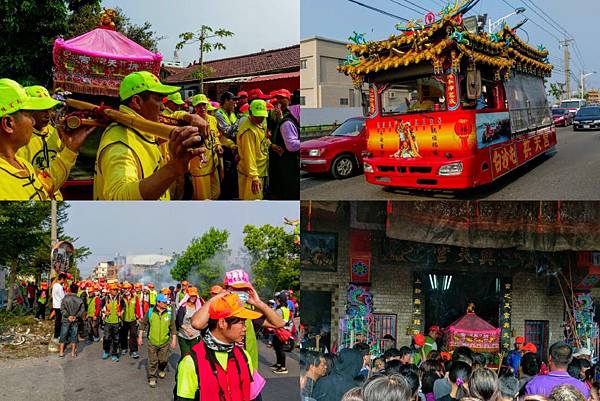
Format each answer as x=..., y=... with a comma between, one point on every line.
x=229, y=119
x=198, y=169
x=143, y=146
x=253, y=148
x=20, y=184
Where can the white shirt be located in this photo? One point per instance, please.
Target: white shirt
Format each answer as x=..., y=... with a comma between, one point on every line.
x=58, y=293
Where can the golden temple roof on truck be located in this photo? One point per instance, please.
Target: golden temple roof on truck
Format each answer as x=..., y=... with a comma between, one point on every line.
x=444, y=43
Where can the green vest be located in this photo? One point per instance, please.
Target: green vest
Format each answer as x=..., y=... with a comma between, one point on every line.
x=180, y=296
x=129, y=315
x=41, y=299
x=112, y=317
x=229, y=119
x=251, y=344
x=159, y=327
x=153, y=295
x=286, y=313
x=91, y=306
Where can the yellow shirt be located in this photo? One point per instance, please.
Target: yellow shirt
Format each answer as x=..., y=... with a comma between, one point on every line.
x=45, y=151
x=211, y=157
x=20, y=184
x=253, y=150
x=125, y=157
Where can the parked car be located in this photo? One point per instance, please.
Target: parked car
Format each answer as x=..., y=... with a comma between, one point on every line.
x=339, y=153
x=587, y=118
x=562, y=117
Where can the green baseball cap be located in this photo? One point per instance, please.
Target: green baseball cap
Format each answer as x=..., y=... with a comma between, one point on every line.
x=141, y=81
x=200, y=98
x=39, y=91
x=176, y=98
x=258, y=108
x=13, y=97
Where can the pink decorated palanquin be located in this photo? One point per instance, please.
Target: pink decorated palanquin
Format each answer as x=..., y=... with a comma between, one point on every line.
x=473, y=332
x=96, y=62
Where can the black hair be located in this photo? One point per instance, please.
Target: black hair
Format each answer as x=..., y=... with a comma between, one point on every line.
x=479, y=360
x=392, y=367
x=178, y=285
x=391, y=353
x=427, y=382
x=62, y=276
x=411, y=377
x=295, y=97
x=561, y=354
x=509, y=386
x=459, y=370
x=433, y=355
x=483, y=384
x=462, y=351
x=574, y=369
x=74, y=288
x=330, y=359
x=530, y=363
x=405, y=351
x=387, y=388
x=363, y=348
x=308, y=359
x=430, y=366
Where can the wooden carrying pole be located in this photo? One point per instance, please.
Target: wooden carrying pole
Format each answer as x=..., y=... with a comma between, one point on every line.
x=162, y=131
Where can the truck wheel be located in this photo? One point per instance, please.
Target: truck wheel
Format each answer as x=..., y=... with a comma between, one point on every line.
x=342, y=167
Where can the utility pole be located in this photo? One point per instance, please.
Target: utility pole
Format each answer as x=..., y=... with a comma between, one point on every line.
x=53, y=234
x=565, y=43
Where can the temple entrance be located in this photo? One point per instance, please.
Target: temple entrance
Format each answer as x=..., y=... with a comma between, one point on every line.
x=448, y=294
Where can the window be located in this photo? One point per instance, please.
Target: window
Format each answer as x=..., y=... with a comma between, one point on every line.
x=344, y=101
x=303, y=64
x=527, y=102
x=414, y=96
x=302, y=101
x=385, y=326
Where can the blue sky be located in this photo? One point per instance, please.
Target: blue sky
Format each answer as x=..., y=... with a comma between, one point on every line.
x=264, y=24
x=130, y=228
x=336, y=19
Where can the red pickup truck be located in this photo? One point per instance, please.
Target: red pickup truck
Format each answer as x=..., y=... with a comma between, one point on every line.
x=339, y=153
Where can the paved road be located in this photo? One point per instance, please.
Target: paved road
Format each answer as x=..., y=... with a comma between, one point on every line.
x=573, y=173
x=88, y=377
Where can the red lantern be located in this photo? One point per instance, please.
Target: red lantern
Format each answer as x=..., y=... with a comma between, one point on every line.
x=462, y=128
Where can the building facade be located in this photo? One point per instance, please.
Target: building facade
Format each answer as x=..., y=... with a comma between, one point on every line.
x=350, y=266
x=267, y=70
x=322, y=85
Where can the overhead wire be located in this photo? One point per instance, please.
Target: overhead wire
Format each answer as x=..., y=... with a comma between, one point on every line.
x=378, y=10
x=410, y=8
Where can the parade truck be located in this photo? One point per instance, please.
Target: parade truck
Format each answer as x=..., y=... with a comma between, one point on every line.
x=448, y=107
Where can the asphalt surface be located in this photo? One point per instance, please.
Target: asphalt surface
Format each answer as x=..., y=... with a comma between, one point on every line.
x=88, y=377
x=572, y=173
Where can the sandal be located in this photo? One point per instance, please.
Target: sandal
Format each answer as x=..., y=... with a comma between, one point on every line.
x=61, y=355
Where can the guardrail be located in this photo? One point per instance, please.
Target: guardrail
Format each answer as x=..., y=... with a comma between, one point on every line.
x=316, y=131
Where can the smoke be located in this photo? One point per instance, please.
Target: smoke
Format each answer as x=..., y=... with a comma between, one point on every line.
x=159, y=275
x=218, y=264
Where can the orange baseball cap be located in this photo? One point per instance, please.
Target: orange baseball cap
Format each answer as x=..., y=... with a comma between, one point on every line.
x=185, y=282
x=215, y=289
x=192, y=291
x=520, y=340
x=165, y=291
x=113, y=286
x=419, y=339
x=127, y=286
x=231, y=306
x=530, y=347
x=150, y=285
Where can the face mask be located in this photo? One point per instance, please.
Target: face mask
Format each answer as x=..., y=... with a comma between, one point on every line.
x=243, y=295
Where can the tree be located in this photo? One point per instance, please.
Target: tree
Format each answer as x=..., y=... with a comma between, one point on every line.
x=557, y=90
x=28, y=30
x=87, y=17
x=202, y=37
x=24, y=228
x=203, y=262
x=275, y=258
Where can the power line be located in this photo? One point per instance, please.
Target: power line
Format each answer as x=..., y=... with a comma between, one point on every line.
x=550, y=18
x=533, y=22
x=410, y=8
x=378, y=10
